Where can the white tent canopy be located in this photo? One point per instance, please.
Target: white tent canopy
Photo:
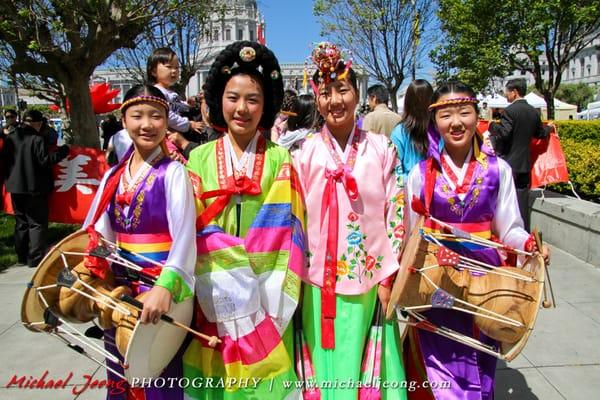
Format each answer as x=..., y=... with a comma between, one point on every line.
x=562, y=110
x=535, y=100
x=493, y=101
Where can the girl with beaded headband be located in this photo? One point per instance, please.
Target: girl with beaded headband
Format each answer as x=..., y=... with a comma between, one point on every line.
x=468, y=187
x=354, y=219
x=250, y=234
x=145, y=204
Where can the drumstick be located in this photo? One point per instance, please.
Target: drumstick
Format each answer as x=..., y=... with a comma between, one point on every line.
x=546, y=304
x=212, y=340
x=466, y=235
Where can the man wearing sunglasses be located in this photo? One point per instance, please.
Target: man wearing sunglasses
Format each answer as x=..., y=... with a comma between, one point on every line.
x=10, y=116
x=29, y=181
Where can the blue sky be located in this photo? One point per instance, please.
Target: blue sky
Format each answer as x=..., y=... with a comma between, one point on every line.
x=291, y=28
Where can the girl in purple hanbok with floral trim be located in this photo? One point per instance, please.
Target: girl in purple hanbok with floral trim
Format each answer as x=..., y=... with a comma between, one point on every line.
x=145, y=205
x=467, y=186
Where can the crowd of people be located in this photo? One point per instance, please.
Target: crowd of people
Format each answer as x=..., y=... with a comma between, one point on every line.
x=283, y=214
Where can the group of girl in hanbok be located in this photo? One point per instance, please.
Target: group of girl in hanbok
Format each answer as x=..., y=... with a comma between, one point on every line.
x=273, y=244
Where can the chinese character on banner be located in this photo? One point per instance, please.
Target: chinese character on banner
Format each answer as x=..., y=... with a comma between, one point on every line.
x=76, y=180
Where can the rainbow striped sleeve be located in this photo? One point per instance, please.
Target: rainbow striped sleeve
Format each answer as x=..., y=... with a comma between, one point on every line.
x=276, y=243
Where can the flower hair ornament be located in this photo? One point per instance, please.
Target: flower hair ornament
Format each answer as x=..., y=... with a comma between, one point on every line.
x=327, y=57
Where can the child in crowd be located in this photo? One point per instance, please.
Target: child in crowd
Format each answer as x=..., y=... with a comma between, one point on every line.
x=410, y=135
x=300, y=123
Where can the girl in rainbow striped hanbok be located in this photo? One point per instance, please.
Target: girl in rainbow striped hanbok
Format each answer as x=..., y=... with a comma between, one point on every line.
x=250, y=235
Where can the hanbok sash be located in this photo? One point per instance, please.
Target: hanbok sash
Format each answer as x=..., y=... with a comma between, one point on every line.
x=329, y=206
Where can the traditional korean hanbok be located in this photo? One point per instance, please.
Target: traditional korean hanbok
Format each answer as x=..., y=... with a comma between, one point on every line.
x=152, y=214
x=478, y=198
x=354, y=204
x=251, y=250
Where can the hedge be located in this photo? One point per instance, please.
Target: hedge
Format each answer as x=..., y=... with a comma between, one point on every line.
x=579, y=130
x=580, y=141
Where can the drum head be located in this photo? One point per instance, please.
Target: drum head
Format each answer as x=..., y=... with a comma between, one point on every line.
x=407, y=256
x=32, y=308
x=538, y=268
x=153, y=346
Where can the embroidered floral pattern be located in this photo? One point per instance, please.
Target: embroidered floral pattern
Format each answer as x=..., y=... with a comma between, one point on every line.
x=355, y=263
x=134, y=221
x=459, y=206
x=396, y=223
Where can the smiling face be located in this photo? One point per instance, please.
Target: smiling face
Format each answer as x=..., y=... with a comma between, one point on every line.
x=456, y=123
x=337, y=102
x=167, y=74
x=243, y=102
x=146, y=124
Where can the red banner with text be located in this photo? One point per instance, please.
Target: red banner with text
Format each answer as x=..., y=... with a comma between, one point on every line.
x=76, y=180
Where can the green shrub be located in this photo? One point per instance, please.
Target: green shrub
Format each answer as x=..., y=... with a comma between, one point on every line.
x=583, y=163
x=579, y=130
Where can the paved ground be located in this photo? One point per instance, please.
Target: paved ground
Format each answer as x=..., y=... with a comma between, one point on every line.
x=561, y=360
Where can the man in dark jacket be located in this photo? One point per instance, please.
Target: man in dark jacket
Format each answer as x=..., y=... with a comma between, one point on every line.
x=511, y=137
x=28, y=166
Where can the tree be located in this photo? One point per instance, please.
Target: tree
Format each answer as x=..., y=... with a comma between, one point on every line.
x=188, y=31
x=385, y=36
x=537, y=36
x=65, y=40
x=580, y=94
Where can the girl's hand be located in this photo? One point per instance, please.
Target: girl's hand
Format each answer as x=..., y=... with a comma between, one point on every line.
x=546, y=254
x=156, y=303
x=384, y=294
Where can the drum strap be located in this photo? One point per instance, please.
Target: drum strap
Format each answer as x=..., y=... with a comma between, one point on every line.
x=430, y=175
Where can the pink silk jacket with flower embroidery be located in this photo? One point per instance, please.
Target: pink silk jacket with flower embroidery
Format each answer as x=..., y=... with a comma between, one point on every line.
x=370, y=229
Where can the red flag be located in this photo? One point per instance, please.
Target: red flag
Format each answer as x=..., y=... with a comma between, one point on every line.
x=260, y=33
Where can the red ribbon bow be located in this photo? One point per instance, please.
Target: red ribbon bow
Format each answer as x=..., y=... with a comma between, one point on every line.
x=234, y=186
x=343, y=174
x=124, y=199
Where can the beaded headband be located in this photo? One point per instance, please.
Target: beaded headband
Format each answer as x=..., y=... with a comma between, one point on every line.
x=327, y=56
x=143, y=99
x=454, y=101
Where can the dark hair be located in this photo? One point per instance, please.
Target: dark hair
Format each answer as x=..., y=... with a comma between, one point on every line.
x=162, y=55
x=10, y=111
x=380, y=93
x=33, y=115
x=263, y=66
x=517, y=84
x=416, y=113
x=340, y=70
x=452, y=87
x=306, y=112
x=288, y=99
x=142, y=90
